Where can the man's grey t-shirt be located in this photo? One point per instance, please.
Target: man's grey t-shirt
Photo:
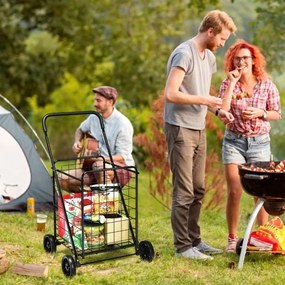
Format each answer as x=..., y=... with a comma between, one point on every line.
x=197, y=81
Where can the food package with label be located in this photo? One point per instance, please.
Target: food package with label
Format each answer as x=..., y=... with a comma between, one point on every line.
x=80, y=241
x=106, y=202
x=270, y=236
x=72, y=205
x=94, y=235
x=95, y=205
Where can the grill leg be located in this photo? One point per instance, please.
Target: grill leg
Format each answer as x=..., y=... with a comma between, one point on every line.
x=258, y=206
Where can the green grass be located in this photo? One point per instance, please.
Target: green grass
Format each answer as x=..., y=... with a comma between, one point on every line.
x=18, y=236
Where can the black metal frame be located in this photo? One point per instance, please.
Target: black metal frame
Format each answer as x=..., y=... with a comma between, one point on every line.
x=128, y=194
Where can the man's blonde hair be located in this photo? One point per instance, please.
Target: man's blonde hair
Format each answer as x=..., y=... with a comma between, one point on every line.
x=217, y=20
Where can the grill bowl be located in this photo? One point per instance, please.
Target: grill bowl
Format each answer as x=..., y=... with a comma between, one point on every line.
x=274, y=207
x=266, y=185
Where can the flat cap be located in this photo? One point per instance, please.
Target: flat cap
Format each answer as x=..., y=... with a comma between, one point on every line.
x=107, y=91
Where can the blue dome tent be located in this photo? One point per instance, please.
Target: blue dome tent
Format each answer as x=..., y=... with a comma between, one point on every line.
x=23, y=174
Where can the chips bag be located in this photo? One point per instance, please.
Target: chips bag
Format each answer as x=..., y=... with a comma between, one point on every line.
x=270, y=236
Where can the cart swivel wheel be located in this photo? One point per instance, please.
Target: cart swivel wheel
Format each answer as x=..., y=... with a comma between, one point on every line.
x=68, y=266
x=146, y=251
x=239, y=246
x=49, y=243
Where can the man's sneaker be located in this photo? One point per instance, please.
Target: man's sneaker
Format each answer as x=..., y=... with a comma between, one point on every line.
x=232, y=243
x=205, y=248
x=194, y=254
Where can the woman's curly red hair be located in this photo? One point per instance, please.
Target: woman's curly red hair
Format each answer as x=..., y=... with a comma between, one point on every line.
x=258, y=68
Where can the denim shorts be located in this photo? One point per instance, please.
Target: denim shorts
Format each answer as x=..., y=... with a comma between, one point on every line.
x=239, y=149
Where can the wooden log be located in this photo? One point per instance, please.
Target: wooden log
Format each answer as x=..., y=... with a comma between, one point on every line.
x=30, y=269
x=2, y=253
x=4, y=265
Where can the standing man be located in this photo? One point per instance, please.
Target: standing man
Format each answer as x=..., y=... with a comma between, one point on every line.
x=187, y=99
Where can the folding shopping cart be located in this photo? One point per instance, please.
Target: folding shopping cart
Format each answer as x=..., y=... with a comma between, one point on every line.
x=102, y=219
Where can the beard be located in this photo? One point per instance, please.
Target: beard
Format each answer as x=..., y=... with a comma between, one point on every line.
x=102, y=109
x=212, y=45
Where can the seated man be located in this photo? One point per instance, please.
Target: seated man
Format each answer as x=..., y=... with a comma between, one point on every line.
x=119, y=132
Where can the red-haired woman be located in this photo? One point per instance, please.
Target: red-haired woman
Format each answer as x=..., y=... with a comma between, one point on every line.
x=253, y=99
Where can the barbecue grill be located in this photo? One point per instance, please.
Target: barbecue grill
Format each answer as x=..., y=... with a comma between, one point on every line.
x=269, y=187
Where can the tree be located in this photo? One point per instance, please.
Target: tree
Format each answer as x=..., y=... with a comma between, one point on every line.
x=33, y=48
x=41, y=40
x=269, y=33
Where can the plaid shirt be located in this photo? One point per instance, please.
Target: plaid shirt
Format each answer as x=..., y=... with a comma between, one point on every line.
x=265, y=96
